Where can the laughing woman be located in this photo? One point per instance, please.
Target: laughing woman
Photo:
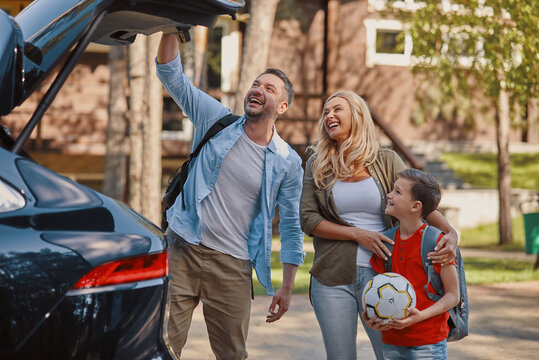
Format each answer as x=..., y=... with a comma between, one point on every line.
x=344, y=193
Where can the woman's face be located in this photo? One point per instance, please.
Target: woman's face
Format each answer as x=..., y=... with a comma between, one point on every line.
x=337, y=117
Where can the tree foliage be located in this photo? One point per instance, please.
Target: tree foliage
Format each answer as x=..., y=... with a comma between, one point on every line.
x=478, y=44
x=486, y=45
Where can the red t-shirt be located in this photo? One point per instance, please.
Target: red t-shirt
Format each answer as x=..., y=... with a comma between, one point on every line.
x=406, y=260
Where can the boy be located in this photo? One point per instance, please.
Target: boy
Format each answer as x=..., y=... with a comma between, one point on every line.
x=423, y=334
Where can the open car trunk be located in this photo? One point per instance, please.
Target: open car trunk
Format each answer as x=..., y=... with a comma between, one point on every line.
x=33, y=43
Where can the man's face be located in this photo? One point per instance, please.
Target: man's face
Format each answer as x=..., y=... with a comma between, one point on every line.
x=266, y=97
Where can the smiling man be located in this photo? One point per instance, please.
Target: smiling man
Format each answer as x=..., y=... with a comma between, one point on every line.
x=230, y=196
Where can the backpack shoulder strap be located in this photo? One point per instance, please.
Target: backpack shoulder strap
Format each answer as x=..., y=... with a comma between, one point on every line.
x=428, y=243
x=390, y=233
x=213, y=130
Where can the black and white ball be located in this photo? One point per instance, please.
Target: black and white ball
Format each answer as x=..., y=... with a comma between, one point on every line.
x=388, y=296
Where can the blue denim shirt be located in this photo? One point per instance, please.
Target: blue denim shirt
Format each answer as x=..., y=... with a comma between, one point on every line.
x=281, y=181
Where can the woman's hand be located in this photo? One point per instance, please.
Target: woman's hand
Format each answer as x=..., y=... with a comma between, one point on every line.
x=370, y=240
x=446, y=249
x=374, y=242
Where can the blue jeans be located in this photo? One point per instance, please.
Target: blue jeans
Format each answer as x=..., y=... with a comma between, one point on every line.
x=436, y=351
x=337, y=309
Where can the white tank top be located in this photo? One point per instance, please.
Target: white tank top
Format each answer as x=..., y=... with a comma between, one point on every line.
x=359, y=203
x=228, y=211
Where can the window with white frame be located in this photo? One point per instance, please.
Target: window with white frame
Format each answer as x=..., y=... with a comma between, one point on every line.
x=387, y=44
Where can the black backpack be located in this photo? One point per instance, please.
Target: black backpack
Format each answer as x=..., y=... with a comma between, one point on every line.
x=177, y=180
x=458, y=316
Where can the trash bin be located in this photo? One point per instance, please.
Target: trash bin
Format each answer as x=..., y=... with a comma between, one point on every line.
x=531, y=232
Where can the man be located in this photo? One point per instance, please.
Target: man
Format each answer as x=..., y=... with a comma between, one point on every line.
x=234, y=184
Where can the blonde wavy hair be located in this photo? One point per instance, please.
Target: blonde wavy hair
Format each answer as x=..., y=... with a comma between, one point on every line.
x=360, y=149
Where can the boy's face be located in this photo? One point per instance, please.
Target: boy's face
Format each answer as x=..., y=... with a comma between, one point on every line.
x=400, y=202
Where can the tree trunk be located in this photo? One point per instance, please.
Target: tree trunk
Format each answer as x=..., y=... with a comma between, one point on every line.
x=115, y=161
x=526, y=123
x=504, y=168
x=151, y=129
x=137, y=71
x=201, y=47
x=256, y=47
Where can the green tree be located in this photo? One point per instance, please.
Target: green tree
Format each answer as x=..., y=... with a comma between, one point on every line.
x=490, y=45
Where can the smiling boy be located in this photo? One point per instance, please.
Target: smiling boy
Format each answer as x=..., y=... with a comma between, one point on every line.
x=423, y=334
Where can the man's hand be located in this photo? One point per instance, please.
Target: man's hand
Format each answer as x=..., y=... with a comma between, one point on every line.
x=279, y=304
x=446, y=249
x=281, y=300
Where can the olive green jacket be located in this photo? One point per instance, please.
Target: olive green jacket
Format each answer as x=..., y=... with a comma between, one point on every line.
x=335, y=260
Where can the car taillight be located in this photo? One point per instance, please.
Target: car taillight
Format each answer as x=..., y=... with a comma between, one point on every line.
x=133, y=269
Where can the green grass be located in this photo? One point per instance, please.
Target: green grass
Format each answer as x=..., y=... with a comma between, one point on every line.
x=486, y=237
x=301, y=284
x=481, y=169
x=480, y=270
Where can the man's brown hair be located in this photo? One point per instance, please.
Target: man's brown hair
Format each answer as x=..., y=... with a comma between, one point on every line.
x=425, y=188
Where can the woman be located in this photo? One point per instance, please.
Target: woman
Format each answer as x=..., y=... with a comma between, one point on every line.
x=344, y=194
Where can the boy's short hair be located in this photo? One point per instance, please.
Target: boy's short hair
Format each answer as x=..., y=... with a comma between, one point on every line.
x=425, y=188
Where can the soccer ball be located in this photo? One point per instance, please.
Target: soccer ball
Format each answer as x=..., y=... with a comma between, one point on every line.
x=388, y=296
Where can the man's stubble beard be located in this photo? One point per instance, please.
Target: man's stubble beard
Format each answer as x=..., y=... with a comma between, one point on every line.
x=256, y=116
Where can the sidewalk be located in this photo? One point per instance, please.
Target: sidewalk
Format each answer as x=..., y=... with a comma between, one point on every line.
x=504, y=323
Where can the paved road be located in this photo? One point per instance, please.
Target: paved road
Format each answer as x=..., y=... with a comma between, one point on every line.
x=504, y=324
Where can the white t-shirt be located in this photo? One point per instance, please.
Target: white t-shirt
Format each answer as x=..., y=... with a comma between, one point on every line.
x=228, y=211
x=359, y=203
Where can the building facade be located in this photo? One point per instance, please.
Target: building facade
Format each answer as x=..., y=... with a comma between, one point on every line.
x=323, y=45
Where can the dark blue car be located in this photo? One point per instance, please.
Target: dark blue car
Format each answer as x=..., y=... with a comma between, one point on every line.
x=82, y=276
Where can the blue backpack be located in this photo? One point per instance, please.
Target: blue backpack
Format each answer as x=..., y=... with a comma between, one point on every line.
x=458, y=316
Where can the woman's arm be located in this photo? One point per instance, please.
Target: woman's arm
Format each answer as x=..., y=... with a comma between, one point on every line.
x=370, y=240
x=314, y=224
x=450, y=281
x=446, y=249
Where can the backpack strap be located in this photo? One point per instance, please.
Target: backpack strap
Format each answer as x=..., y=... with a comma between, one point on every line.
x=212, y=131
x=390, y=233
x=428, y=243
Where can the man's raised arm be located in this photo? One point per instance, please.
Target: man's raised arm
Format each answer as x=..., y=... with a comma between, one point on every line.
x=168, y=48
